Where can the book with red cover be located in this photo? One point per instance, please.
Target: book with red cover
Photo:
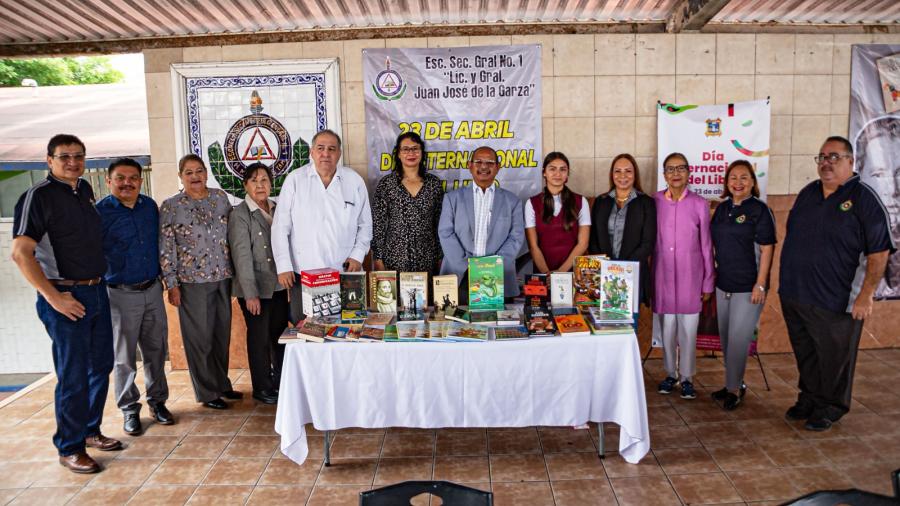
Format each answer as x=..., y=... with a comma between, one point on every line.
x=572, y=325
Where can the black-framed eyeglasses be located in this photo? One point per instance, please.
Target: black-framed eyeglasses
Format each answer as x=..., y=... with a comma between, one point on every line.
x=65, y=158
x=675, y=168
x=410, y=150
x=830, y=157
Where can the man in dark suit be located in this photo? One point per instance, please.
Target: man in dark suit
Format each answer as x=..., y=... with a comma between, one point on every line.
x=482, y=219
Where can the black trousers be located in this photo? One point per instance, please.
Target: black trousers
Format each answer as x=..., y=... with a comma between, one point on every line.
x=264, y=354
x=825, y=344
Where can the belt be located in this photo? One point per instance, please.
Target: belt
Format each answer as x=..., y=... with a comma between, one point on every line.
x=76, y=282
x=139, y=287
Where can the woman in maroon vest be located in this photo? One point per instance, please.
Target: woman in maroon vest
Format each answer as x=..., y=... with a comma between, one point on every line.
x=557, y=220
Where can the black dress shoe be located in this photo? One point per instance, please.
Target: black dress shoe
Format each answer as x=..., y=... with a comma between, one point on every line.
x=216, y=404
x=798, y=412
x=266, y=396
x=818, y=424
x=162, y=415
x=233, y=395
x=132, y=425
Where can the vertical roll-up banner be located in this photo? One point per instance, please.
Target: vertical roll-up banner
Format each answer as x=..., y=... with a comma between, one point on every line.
x=875, y=134
x=711, y=137
x=457, y=99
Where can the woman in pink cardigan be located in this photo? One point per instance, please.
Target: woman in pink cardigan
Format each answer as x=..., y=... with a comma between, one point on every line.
x=682, y=271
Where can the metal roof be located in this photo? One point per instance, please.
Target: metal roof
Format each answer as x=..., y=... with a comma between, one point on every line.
x=30, y=22
x=111, y=119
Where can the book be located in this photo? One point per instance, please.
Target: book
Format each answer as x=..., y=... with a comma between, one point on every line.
x=509, y=333
x=486, y=282
x=320, y=292
x=354, y=316
x=437, y=329
x=458, y=315
x=539, y=322
x=405, y=316
x=561, y=289
x=445, y=290
x=353, y=291
x=379, y=319
x=371, y=334
x=572, y=325
x=414, y=290
x=536, y=290
x=586, y=280
x=563, y=310
x=337, y=333
x=618, y=284
x=610, y=328
x=598, y=315
x=411, y=331
x=290, y=335
x=509, y=317
x=383, y=291
x=483, y=316
x=457, y=331
x=390, y=333
x=312, y=330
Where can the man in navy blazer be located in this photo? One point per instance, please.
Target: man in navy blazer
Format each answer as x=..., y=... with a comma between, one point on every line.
x=482, y=219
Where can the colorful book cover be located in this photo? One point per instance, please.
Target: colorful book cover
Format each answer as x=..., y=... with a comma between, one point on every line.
x=458, y=315
x=445, y=289
x=509, y=333
x=354, y=316
x=383, y=291
x=483, y=317
x=379, y=319
x=572, y=325
x=618, y=283
x=561, y=289
x=605, y=329
x=437, y=329
x=600, y=316
x=509, y=317
x=291, y=335
x=414, y=290
x=337, y=333
x=353, y=291
x=371, y=334
x=539, y=322
x=536, y=289
x=457, y=331
x=405, y=316
x=390, y=333
x=586, y=280
x=312, y=330
x=320, y=291
x=486, y=282
x=411, y=331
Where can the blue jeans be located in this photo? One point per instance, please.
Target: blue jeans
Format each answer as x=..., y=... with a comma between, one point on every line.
x=83, y=359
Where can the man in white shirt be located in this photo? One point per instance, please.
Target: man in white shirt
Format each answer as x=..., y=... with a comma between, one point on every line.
x=479, y=220
x=323, y=217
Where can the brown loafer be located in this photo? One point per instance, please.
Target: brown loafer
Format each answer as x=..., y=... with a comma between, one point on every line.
x=103, y=443
x=80, y=462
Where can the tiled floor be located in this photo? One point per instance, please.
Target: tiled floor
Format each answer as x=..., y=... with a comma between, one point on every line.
x=700, y=454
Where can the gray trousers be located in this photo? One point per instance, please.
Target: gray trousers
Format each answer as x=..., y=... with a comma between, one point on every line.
x=737, y=318
x=679, y=338
x=205, y=314
x=139, y=320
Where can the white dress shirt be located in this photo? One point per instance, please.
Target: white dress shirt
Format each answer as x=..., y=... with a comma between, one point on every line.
x=317, y=227
x=484, y=201
x=584, y=215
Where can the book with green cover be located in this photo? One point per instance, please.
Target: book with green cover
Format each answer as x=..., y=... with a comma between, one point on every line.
x=390, y=333
x=486, y=282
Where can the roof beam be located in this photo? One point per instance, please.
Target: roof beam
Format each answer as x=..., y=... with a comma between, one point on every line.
x=692, y=15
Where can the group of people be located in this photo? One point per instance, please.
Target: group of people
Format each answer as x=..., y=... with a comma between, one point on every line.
x=100, y=269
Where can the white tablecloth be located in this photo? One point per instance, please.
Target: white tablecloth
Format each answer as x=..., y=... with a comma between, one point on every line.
x=555, y=381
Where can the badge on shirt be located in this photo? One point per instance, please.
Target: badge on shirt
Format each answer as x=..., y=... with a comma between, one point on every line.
x=846, y=205
x=740, y=219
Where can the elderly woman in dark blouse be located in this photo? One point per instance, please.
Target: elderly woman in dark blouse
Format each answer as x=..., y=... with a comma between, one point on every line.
x=623, y=221
x=406, y=209
x=263, y=301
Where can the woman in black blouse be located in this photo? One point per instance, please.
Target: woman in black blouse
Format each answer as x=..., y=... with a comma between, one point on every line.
x=406, y=208
x=623, y=221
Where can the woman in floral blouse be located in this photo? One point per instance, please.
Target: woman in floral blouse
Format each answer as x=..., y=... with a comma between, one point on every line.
x=405, y=210
x=196, y=268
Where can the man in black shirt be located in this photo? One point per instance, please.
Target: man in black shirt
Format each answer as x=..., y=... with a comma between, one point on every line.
x=835, y=251
x=58, y=247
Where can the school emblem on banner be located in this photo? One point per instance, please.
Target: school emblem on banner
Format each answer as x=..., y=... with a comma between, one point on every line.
x=714, y=127
x=389, y=83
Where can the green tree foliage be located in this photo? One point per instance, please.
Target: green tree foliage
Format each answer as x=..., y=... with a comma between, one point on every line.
x=59, y=71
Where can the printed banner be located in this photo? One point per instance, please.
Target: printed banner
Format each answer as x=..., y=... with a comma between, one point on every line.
x=875, y=134
x=711, y=137
x=457, y=99
x=235, y=114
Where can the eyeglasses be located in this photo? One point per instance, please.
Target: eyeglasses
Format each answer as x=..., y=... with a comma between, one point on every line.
x=484, y=163
x=66, y=158
x=410, y=150
x=129, y=179
x=675, y=168
x=831, y=157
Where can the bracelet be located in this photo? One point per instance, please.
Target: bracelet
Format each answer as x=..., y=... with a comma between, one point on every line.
x=761, y=288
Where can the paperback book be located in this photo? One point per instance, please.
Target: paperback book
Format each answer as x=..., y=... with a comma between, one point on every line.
x=379, y=319
x=383, y=291
x=483, y=317
x=408, y=316
x=337, y=333
x=457, y=331
x=539, y=322
x=414, y=291
x=561, y=289
x=600, y=316
x=354, y=316
x=390, y=333
x=486, y=282
x=445, y=290
x=290, y=335
x=353, y=291
x=371, y=334
x=509, y=317
x=510, y=333
x=458, y=315
x=572, y=325
x=618, y=282
x=437, y=329
x=586, y=280
x=408, y=331
x=536, y=290
x=312, y=330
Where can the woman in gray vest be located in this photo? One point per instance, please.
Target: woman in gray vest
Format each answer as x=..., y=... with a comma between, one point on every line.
x=263, y=301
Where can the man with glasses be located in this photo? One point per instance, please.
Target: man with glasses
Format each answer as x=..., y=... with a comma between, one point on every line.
x=57, y=245
x=323, y=218
x=835, y=251
x=481, y=219
x=131, y=246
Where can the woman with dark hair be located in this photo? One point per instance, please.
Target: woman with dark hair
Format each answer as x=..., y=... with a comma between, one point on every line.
x=743, y=235
x=624, y=221
x=557, y=220
x=682, y=273
x=406, y=209
x=263, y=301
